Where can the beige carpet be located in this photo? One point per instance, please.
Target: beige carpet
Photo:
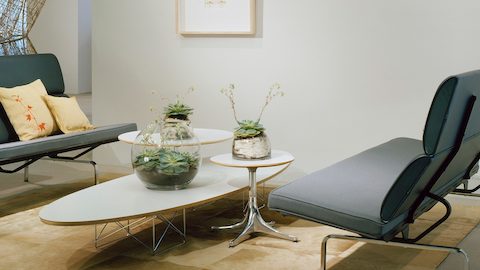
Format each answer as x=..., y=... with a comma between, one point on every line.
x=27, y=243
x=44, y=193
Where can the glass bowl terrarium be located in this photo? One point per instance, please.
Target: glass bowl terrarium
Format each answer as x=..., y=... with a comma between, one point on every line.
x=166, y=155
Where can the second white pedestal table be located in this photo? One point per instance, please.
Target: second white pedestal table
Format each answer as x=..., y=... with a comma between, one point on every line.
x=253, y=221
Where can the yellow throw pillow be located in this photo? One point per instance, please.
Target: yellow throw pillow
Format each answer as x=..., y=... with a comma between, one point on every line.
x=67, y=113
x=27, y=112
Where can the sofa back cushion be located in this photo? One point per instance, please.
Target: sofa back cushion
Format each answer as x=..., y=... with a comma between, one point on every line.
x=446, y=112
x=7, y=133
x=18, y=70
x=441, y=129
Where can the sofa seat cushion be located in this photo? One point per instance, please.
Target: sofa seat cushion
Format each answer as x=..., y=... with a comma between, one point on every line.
x=350, y=193
x=18, y=151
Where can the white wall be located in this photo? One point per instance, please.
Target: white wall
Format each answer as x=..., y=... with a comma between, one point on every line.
x=355, y=73
x=60, y=30
x=84, y=46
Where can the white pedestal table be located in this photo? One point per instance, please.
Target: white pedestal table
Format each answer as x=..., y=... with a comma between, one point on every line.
x=253, y=221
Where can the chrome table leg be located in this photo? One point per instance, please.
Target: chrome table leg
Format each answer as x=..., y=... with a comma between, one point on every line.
x=253, y=219
x=233, y=226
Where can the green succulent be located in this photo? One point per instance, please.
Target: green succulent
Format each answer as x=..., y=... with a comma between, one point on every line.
x=148, y=160
x=248, y=129
x=191, y=159
x=178, y=110
x=169, y=162
x=173, y=163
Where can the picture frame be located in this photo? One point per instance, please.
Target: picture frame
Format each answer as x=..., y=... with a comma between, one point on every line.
x=216, y=17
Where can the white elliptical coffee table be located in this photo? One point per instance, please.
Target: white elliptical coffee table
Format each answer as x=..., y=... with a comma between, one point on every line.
x=124, y=199
x=126, y=203
x=253, y=221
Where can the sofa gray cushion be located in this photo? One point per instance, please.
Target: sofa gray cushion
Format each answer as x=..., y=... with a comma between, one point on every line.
x=441, y=131
x=350, y=193
x=447, y=110
x=60, y=143
x=18, y=70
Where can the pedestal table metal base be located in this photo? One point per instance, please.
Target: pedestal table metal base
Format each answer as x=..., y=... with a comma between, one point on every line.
x=253, y=221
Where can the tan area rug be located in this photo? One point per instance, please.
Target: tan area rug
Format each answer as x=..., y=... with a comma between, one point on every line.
x=44, y=194
x=27, y=243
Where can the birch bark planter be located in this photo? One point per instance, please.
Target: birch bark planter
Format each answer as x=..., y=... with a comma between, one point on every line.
x=257, y=147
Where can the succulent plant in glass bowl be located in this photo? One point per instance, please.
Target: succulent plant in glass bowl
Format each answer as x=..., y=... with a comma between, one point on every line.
x=248, y=129
x=166, y=158
x=178, y=110
x=250, y=140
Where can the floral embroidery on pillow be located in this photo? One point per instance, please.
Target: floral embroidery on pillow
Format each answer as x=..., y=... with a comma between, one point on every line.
x=29, y=114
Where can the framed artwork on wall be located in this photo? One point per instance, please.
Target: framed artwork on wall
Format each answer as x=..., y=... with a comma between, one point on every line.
x=216, y=17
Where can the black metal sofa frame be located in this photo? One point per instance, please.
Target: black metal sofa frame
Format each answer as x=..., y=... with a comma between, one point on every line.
x=379, y=193
x=23, y=69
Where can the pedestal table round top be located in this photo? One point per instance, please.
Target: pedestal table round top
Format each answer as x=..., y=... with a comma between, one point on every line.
x=277, y=158
x=204, y=135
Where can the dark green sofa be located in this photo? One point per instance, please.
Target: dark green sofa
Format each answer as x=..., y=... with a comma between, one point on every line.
x=23, y=69
x=379, y=193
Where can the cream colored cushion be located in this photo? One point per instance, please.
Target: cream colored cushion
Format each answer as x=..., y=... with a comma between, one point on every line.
x=67, y=113
x=27, y=112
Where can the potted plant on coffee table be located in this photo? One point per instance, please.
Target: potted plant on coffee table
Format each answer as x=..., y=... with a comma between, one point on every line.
x=166, y=153
x=250, y=140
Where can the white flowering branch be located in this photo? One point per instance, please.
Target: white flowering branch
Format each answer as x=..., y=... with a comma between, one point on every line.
x=272, y=93
x=181, y=97
x=228, y=92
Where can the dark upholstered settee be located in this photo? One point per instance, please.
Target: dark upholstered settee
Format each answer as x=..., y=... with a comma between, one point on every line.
x=23, y=69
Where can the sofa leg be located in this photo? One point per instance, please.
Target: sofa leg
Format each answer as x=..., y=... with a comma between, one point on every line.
x=405, y=233
x=91, y=162
x=25, y=174
x=323, y=259
x=466, y=194
x=95, y=174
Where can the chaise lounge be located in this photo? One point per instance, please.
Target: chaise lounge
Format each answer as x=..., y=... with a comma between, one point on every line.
x=379, y=193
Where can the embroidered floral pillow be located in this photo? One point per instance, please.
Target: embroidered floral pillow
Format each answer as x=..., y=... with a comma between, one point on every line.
x=29, y=115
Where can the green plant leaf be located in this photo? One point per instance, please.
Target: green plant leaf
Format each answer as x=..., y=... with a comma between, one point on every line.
x=178, y=110
x=248, y=129
x=168, y=161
